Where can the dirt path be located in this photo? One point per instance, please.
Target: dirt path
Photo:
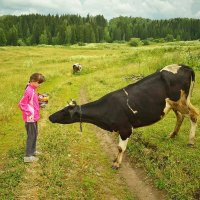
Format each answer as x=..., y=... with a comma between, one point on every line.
x=139, y=184
x=137, y=181
x=29, y=187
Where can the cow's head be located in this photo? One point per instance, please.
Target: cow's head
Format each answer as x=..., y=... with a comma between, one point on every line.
x=77, y=67
x=66, y=115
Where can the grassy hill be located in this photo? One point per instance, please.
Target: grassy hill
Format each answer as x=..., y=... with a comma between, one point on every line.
x=73, y=165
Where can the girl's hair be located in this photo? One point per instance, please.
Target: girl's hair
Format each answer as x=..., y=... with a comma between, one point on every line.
x=37, y=77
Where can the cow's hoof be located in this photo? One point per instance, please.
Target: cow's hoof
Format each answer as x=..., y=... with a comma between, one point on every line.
x=115, y=166
x=172, y=135
x=190, y=145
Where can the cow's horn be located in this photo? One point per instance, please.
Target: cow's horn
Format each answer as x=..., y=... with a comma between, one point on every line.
x=72, y=103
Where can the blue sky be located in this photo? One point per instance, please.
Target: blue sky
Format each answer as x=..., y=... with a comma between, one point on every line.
x=152, y=9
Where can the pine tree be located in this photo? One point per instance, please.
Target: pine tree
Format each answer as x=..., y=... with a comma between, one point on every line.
x=2, y=38
x=68, y=34
x=107, y=37
x=43, y=38
x=73, y=35
x=80, y=33
x=35, y=35
x=12, y=36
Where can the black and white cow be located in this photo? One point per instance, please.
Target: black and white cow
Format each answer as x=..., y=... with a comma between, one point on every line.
x=77, y=67
x=139, y=104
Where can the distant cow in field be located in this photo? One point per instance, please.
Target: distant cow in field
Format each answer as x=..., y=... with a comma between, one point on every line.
x=77, y=67
x=139, y=104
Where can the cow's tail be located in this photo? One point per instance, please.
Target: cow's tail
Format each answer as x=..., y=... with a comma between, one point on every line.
x=192, y=83
x=193, y=75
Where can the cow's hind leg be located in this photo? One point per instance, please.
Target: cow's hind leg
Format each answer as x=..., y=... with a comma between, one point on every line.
x=179, y=120
x=193, y=115
x=121, y=148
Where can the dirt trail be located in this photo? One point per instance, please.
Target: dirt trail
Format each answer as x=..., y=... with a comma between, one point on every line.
x=29, y=188
x=139, y=184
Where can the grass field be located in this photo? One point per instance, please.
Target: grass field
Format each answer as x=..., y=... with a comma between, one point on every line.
x=73, y=165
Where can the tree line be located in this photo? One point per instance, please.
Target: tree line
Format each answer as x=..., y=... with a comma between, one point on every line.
x=49, y=29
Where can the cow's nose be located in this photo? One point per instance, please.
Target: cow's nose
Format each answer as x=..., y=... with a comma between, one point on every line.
x=51, y=119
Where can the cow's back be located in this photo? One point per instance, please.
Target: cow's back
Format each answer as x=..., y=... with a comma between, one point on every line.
x=148, y=96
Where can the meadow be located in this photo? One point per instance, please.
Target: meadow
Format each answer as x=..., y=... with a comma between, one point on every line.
x=73, y=164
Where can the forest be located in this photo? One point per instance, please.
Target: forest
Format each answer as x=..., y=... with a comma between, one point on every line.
x=49, y=29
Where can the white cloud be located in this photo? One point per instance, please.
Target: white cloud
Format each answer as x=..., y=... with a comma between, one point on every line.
x=159, y=9
x=197, y=15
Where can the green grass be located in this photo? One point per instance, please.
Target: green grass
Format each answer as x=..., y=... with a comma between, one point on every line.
x=73, y=164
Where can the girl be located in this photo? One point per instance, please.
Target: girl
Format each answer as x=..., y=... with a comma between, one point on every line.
x=29, y=106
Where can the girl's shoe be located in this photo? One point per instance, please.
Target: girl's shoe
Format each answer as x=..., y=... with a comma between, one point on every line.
x=29, y=159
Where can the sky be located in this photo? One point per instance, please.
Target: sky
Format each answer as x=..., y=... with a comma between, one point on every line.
x=152, y=9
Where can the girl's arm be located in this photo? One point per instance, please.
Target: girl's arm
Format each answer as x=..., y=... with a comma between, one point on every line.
x=23, y=104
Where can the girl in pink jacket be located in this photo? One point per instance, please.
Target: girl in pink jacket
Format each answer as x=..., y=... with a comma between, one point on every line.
x=29, y=106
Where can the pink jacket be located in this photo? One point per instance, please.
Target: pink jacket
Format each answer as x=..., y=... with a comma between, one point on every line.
x=29, y=104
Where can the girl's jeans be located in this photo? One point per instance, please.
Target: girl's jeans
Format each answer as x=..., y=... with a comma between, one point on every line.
x=32, y=132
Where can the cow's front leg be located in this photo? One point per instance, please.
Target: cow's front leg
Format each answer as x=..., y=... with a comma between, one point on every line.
x=121, y=148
